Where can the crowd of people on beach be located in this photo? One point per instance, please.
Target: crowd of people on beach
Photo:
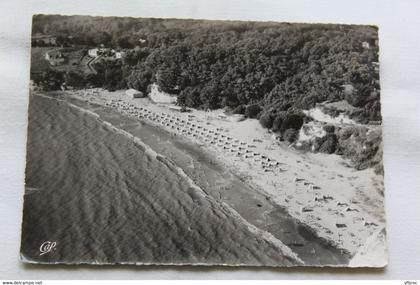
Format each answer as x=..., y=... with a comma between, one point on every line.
x=217, y=137
x=188, y=126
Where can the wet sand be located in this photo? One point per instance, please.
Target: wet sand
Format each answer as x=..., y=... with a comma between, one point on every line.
x=340, y=204
x=103, y=200
x=224, y=186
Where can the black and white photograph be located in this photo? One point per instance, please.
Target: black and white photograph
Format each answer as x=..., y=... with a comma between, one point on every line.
x=156, y=141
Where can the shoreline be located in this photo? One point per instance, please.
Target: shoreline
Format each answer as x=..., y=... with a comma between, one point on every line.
x=314, y=218
x=180, y=208
x=300, y=242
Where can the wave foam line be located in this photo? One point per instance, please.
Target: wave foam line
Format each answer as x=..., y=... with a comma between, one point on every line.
x=286, y=251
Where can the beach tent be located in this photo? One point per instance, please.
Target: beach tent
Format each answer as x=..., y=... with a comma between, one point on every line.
x=134, y=93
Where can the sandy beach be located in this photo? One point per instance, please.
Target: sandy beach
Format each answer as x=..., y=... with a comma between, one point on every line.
x=342, y=206
x=122, y=199
x=308, y=209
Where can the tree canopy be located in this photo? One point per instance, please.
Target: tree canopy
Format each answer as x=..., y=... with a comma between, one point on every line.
x=214, y=64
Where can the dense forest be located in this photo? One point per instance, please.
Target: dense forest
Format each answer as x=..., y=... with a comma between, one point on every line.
x=265, y=70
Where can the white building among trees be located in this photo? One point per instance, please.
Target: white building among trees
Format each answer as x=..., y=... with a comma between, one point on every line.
x=134, y=93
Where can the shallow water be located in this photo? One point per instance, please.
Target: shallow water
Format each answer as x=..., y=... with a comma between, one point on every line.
x=224, y=186
x=88, y=160
x=103, y=200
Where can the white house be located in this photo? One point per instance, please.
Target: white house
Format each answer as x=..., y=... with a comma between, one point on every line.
x=93, y=52
x=134, y=93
